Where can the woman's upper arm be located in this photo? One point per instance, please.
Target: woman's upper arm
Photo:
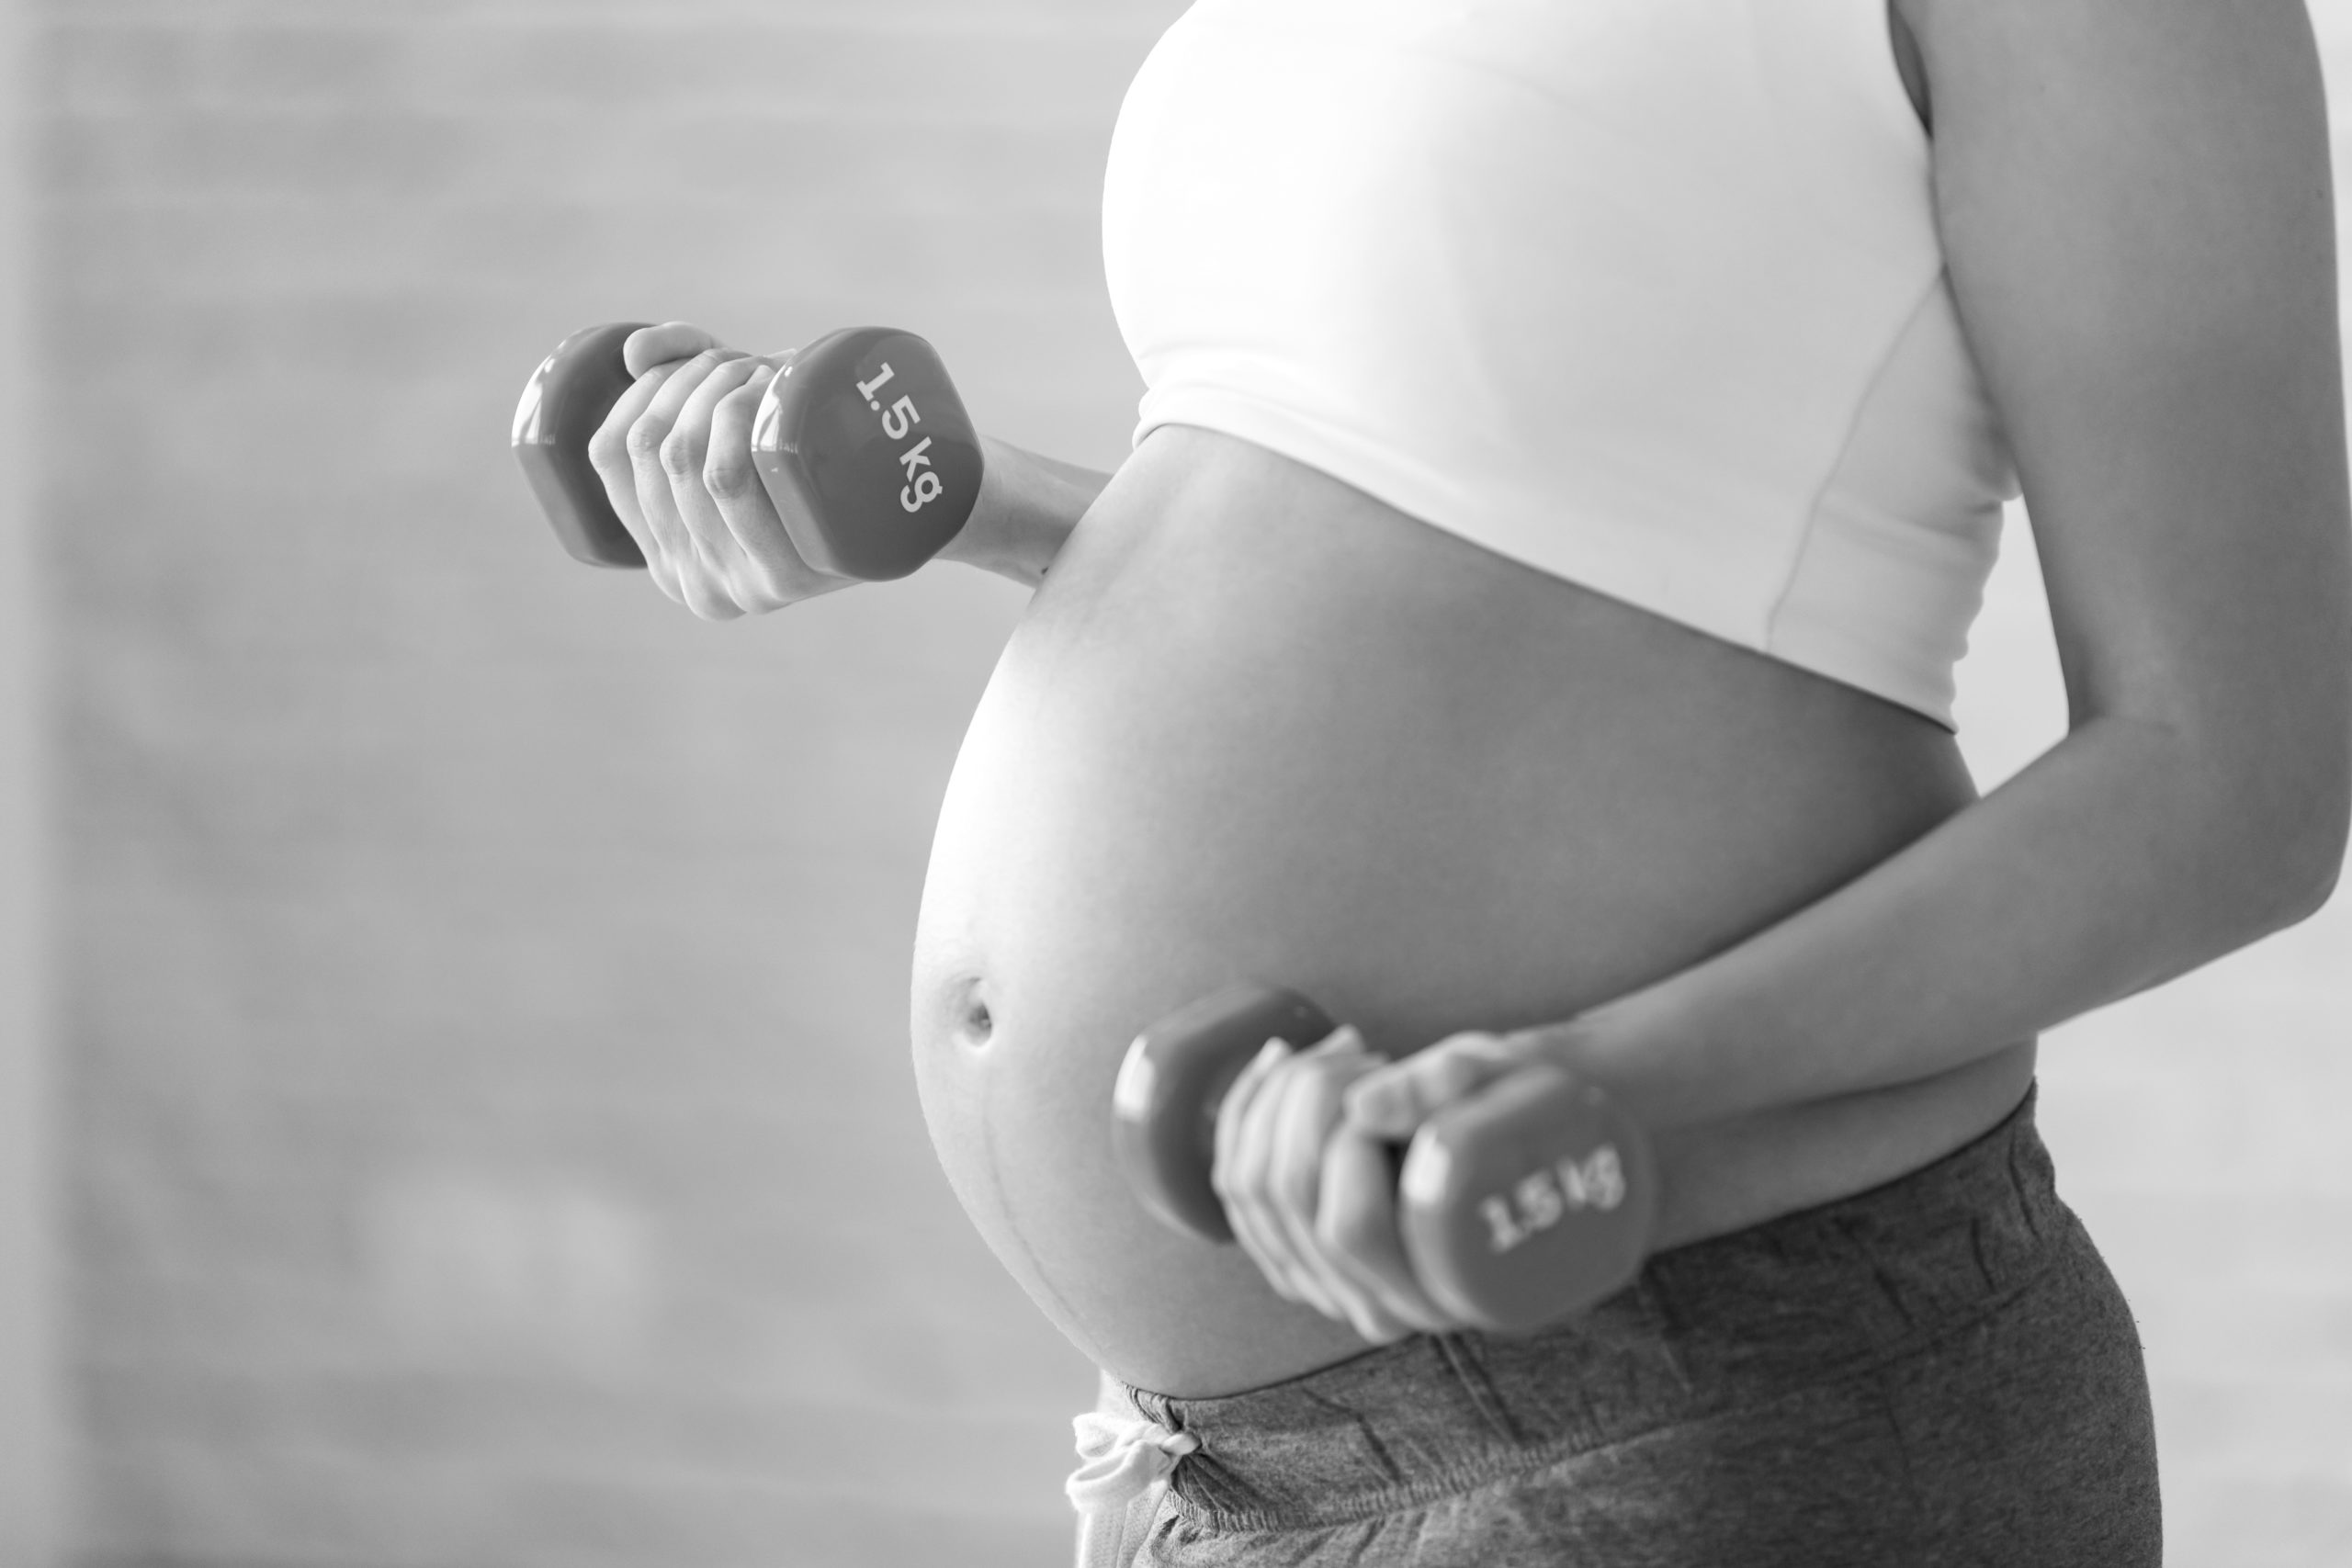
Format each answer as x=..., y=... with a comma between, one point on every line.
x=2138, y=223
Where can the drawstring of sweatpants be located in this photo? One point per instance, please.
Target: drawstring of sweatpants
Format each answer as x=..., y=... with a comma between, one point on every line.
x=1124, y=1461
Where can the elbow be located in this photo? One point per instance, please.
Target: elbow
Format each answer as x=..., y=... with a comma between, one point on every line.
x=2320, y=847
x=2304, y=888
x=2317, y=860
x=2299, y=816
x=2262, y=818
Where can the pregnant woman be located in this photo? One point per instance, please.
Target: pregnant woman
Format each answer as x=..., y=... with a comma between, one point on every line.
x=1576, y=437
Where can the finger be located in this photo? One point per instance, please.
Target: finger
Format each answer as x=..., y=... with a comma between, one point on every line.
x=650, y=346
x=774, y=568
x=1285, y=1154
x=1238, y=1169
x=1395, y=1100
x=1246, y=1158
x=1307, y=1116
x=1355, y=1225
x=1235, y=1106
x=654, y=497
x=684, y=452
x=1344, y=1059
x=608, y=455
x=666, y=386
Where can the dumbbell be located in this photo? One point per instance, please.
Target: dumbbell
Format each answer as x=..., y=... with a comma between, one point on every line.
x=1520, y=1206
x=860, y=441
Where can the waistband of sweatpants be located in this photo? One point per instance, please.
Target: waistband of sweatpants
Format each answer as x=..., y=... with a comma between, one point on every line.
x=1716, y=1325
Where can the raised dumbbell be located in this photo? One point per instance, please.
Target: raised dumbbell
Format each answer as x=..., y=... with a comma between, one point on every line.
x=1519, y=1206
x=860, y=441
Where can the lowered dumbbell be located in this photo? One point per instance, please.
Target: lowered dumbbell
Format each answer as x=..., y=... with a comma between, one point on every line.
x=860, y=441
x=1519, y=1206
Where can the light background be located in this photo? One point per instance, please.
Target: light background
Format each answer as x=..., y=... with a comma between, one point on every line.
x=484, y=1133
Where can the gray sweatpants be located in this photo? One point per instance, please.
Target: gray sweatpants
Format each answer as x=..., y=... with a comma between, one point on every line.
x=1937, y=1370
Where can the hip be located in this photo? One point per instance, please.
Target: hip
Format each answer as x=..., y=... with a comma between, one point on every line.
x=1940, y=1368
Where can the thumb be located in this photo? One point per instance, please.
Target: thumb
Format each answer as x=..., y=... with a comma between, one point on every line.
x=1391, y=1103
x=650, y=346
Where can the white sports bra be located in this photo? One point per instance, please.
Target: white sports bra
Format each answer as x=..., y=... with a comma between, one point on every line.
x=1644, y=293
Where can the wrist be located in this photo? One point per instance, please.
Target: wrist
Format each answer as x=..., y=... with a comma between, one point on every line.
x=983, y=541
x=1026, y=508
x=1641, y=1052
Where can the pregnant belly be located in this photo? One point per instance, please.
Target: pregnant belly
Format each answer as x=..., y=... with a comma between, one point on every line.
x=1257, y=725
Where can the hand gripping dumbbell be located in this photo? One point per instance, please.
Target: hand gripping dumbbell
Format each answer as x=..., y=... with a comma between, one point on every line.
x=1519, y=1206
x=860, y=441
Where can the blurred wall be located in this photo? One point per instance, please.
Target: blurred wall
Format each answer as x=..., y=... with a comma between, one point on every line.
x=485, y=1119
x=492, y=1140
x=29, y=1364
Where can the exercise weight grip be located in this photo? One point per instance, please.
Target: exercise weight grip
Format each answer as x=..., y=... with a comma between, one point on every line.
x=1519, y=1206
x=860, y=440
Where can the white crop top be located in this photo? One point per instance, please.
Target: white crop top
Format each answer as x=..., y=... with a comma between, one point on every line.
x=1644, y=293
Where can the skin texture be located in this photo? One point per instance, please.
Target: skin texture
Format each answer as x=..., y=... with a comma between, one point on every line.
x=1256, y=724
x=2135, y=204
x=1764, y=909
x=675, y=456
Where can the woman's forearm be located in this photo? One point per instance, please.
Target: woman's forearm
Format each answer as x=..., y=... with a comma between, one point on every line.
x=1028, y=506
x=2115, y=862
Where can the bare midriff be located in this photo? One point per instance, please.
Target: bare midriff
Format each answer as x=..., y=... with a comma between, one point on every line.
x=1257, y=724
